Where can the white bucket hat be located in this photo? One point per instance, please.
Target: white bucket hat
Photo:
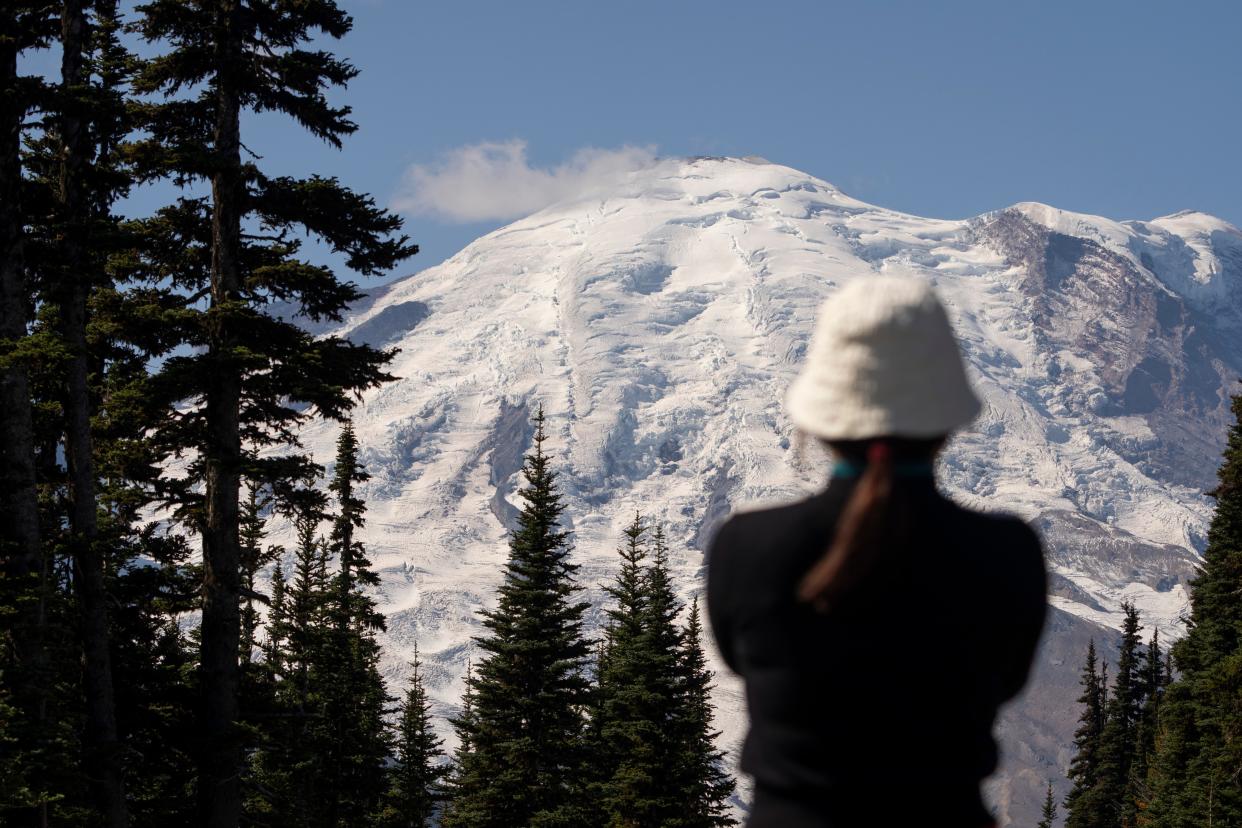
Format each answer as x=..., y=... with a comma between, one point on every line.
x=883, y=362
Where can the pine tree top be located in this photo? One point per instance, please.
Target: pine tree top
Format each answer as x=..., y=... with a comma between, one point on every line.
x=1215, y=604
x=1048, y=813
x=522, y=750
x=624, y=619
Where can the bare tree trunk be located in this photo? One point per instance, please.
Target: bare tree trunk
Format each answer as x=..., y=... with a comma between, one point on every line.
x=102, y=746
x=19, y=506
x=219, y=775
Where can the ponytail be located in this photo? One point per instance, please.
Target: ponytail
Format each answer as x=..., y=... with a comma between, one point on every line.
x=865, y=529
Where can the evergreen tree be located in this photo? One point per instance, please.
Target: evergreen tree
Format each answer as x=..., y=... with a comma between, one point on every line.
x=261, y=708
x=307, y=613
x=1153, y=686
x=524, y=766
x=356, y=740
x=153, y=579
x=1083, y=805
x=155, y=685
x=1048, y=815
x=463, y=725
x=23, y=27
x=251, y=368
x=1194, y=774
x=598, y=756
x=289, y=762
x=354, y=608
x=673, y=673
x=416, y=772
x=636, y=750
x=254, y=556
x=84, y=122
x=24, y=660
x=630, y=737
x=277, y=625
x=655, y=761
x=707, y=786
x=1119, y=737
x=324, y=745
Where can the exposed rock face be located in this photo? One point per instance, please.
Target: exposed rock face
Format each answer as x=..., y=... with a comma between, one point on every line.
x=1152, y=353
x=660, y=326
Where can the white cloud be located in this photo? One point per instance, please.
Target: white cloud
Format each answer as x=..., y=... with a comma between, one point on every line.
x=496, y=181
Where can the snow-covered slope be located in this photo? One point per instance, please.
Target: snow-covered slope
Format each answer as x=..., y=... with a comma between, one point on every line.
x=659, y=327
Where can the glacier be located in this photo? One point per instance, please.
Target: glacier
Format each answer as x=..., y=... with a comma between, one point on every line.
x=659, y=325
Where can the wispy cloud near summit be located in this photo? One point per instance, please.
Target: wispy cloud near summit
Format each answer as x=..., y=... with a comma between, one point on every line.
x=495, y=180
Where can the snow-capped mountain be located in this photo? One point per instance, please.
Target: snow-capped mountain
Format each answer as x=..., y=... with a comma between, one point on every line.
x=659, y=325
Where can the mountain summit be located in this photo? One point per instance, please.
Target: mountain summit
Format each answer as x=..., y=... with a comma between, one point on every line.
x=660, y=324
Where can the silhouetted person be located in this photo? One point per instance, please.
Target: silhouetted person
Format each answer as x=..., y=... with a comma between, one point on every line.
x=877, y=625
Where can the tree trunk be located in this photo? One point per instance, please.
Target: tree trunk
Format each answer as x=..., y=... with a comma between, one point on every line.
x=18, y=501
x=102, y=747
x=219, y=774
x=19, y=507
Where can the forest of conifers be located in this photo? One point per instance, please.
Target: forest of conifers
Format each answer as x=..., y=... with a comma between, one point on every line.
x=1163, y=746
x=162, y=663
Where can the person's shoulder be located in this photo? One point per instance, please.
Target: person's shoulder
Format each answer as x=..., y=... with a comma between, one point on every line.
x=750, y=520
x=1015, y=531
x=1000, y=526
x=1008, y=543
x=749, y=524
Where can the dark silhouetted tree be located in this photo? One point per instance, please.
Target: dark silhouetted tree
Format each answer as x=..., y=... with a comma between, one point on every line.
x=416, y=772
x=525, y=765
x=1048, y=814
x=1082, y=805
x=232, y=255
x=1194, y=773
x=706, y=785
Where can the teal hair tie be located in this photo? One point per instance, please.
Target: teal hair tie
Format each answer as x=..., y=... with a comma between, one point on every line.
x=844, y=468
x=909, y=468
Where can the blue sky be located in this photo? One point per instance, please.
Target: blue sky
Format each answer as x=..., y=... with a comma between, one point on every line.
x=945, y=109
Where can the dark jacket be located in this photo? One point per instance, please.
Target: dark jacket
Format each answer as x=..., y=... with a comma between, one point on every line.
x=880, y=711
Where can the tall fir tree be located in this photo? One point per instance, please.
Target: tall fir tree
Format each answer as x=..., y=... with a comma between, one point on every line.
x=220, y=58
x=463, y=725
x=356, y=738
x=85, y=121
x=113, y=331
x=1139, y=797
x=672, y=675
x=353, y=607
x=416, y=772
x=627, y=754
x=1048, y=814
x=289, y=762
x=24, y=661
x=1194, y=773
x=324, y=745
x=654, y=758
x=24, y=27
x=1106, y=741
x=1084, y=807
x=525, y=766
x=707, y=786
x=1118, y=739
x=276, y=624
x=254, y=557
